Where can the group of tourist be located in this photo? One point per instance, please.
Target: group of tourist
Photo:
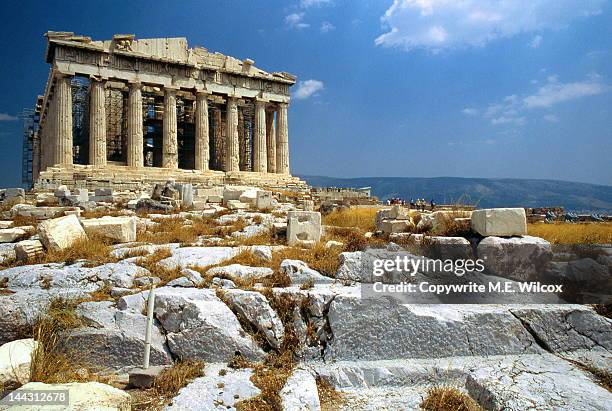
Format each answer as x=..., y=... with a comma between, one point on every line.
x=420, y=203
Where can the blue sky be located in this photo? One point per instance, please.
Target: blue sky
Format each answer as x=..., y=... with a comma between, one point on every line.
x=425, y=88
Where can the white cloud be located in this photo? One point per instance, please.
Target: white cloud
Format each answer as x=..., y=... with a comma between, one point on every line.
x=444, y=24
x=555, y=92
x=551, y=118
x=469, y=111
x=295, y=21
x=310, y=3
x=7, y=117
x=308, y=88
x=326, y=27
x=535, y=42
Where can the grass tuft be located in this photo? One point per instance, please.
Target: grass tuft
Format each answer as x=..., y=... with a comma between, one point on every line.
x=328, y=396
x=447, y=398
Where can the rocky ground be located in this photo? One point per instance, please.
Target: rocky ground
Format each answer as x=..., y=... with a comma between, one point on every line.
x=274, y=323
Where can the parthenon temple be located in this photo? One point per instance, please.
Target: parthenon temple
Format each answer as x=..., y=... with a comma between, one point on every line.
x=129, y=111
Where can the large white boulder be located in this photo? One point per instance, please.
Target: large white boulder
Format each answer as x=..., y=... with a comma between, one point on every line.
x=118, y=229
x=517, y=258
x=61, y=233
x=15, y=359
x=200, y=326
x=501, y=222
x=300, y=392
x=254, y=308
x=86, y=396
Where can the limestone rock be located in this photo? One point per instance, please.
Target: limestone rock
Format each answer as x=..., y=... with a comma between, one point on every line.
x=15, y=359
x=86, y=395
x=299, y=273
x=200, y=326
x=300, y=392
x=417, y=331
x=61, y=233
x=263, y=201
x=198, y=256
x=239, y=272
x=216, y=390
x=118, y=229
x=502, y=222
x=517, y=258
x=254, y=308
x=114, y=338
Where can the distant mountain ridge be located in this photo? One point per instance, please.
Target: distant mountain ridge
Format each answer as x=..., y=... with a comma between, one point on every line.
x=485, y=192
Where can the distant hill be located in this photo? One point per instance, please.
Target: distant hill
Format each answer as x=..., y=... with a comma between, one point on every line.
x=485, y=192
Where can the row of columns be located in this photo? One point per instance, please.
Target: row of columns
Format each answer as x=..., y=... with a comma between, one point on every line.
x=270, y=140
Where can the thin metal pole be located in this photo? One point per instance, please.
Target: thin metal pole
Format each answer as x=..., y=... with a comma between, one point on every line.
x=150, y=305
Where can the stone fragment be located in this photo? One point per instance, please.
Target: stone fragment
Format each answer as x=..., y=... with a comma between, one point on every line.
x=395, y=226
x=254, y=308
x=9, y=235
x=501, y=222
x=104, y=192
x=15, y=359
x=237, y=205
x=185, y=194
x=303, y=226
x=300, y=392
x=144, y=378
x=263, y=200
x=308, y=205
x=214, y=199
x=222, y=283
x=117, y=229
x=84, y=395
x=61, y=191
x=61, y=233
x=299, y=273
x=239, y=272
x=28, y=250
x=517, y=258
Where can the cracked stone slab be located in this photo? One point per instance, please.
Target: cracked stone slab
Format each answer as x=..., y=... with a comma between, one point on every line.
x=216, y=390
x=513, y=382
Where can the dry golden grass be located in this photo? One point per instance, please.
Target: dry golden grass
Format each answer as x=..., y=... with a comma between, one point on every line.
x=171, y=380
x=95, y=250
x=361, y=218
x=167, y=385
x=330, y=399
x=572, y=233
x=447, y=398
x=20, y=220
x=174, y=230
x=151, y=263
x=50, y=363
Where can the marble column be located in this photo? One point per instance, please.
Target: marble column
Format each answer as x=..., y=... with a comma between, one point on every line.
x=36, y=161
x=63, y=121
x=218, y=139
x=202, y=150
x=232, y=147
x=135, y=143
x=97, y=124
x=282, y=140
x=170, y=137
x=271, y=141
x=260, y=161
